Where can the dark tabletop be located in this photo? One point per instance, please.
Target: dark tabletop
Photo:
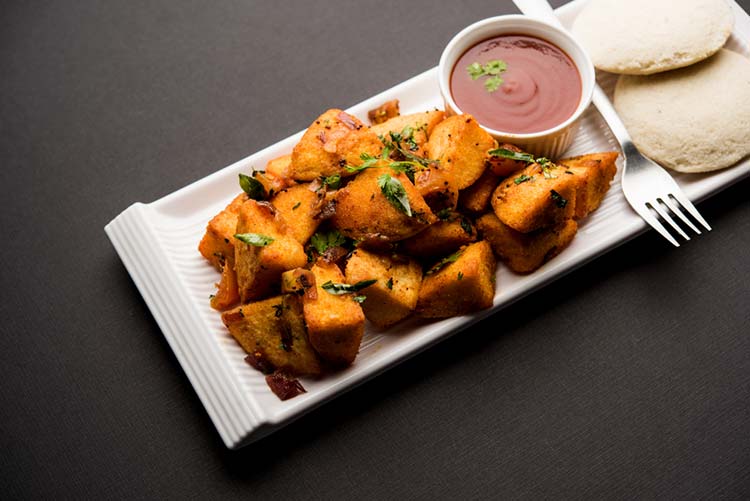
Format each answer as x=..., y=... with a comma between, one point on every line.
x=628, y=377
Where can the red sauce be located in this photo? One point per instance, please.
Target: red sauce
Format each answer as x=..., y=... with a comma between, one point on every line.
x=541, y=88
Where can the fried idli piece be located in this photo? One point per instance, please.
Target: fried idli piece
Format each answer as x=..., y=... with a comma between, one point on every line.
x=441, y=238
x=274, y=250
x=461, y=283
x=420, y=124
x=596, y=171
x=394, y=296
x=537, y=197
x=279, y=171
x=476, y=198
x=382, y=113
x=335, y=139
x=218, y=241
x=460, y=145
x=270, y=341
x=365, y=213
x=299, y=206
x=525, y=252
x=438, y=187
x=335, y=322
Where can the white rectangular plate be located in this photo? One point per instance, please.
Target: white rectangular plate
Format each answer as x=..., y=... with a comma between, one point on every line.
x=157, y=242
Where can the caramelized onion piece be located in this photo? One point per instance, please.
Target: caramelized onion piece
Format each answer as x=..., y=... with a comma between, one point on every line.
x=258, y=362
x=327, y=211
x=334, y=254
x=347, y=120
x=306, y=280
x=387, y=110
x=284, y=385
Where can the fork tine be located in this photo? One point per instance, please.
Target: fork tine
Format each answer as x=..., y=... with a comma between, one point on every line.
x=658, y=208
x=647, y=216
x=668, y=202
x=680, y=197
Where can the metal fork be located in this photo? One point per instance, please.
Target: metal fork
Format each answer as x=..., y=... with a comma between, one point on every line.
x=647, y=187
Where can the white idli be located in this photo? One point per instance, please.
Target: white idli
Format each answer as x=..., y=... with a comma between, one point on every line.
x=693, y=119
x=641, y=37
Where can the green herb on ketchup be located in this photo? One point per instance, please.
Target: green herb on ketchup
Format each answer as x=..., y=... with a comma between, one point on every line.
x=491, y=69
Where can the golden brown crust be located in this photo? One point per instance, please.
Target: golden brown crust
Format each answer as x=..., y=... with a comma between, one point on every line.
x=529, y=200
x=463, y=286
x=460, y=145
x=394, y=296
x=265, y=335
x=333, y=140
x=364, y=213
x=525, y=252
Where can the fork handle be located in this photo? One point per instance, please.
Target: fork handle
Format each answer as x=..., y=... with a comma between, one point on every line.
x=542, y=10
x=607, y=111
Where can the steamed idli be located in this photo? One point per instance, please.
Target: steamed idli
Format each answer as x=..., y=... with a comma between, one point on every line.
x=693, y=119
x=641, y=37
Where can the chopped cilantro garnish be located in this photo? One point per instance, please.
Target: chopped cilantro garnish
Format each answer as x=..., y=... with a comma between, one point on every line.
x=322, y=241
x=395, y=193
x=559, y=200
x=252, y=187
x=337, y=289
x=333, y=182
x=522, y=179
x=255, y=239
x=512, y=155
x=492, y=69
x=443, y=262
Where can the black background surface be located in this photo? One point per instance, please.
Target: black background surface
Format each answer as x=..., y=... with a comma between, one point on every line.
x=628, y=378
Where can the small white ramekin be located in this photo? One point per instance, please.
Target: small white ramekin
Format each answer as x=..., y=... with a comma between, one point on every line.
x=550, y=143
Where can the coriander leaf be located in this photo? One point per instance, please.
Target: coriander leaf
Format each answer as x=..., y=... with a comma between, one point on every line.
x=475, y=70
x=334, y=181
x=389, y=283
x=252, y=187
x=255, y=239
x=367, y=162
x=359, y=299
x=406, y=167
x=493, y=83
x=395, y=193
x=512, y=155
x=495, y=67
x=295, y=206
x=546, y=165
x=324, y=241
x=408, y=137
x=460, y=275
x=338, y=289
x=446, y=260
x=522, y=179
x=491, y=69
x=559, y=200
x=444, y=214
x=466, y=226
